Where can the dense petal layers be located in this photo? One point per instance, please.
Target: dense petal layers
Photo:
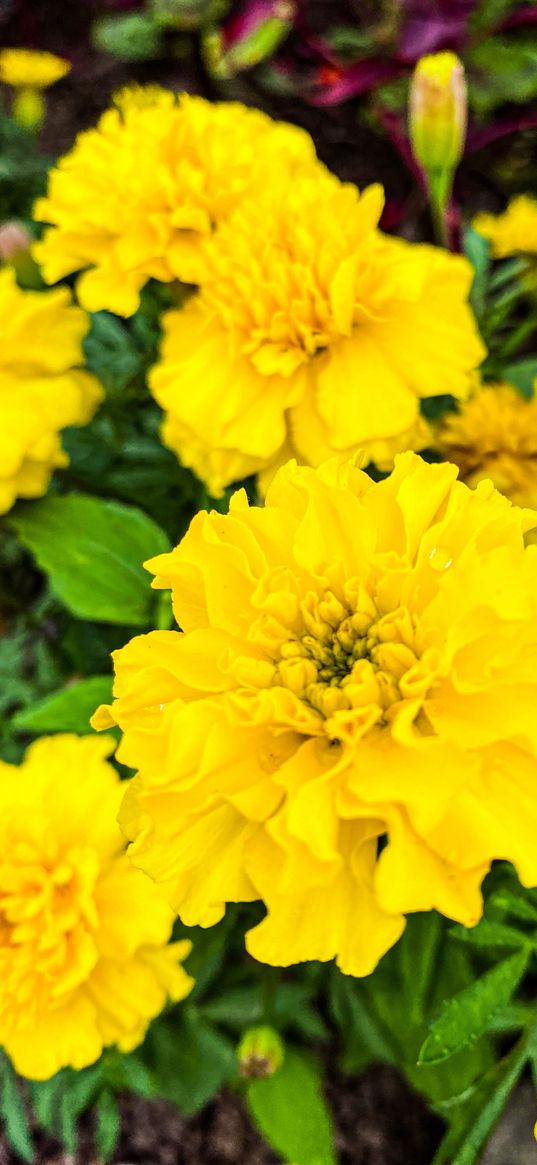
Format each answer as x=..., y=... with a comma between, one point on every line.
x=83, y=955
x=357, y=665
x=42, y=389
x=138, y=194
x=494, y=435
x=312, y=334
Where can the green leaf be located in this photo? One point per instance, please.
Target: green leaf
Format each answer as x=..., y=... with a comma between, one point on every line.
x=12, y=1111
x=363, y=1035
x=190, y=1059
x=67, y=711
x=488, y=933
x=291, y=1112
x=133, y=36
x=59, y=1102
x=513, y=902
x=477, y=250
x=522, y=374
x=466, y=1016
x=107, y=1124
x=472, y=1126
x=502, y=69
x=110, y=353
x=93, y=550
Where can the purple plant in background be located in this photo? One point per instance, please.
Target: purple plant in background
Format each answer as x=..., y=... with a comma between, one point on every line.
x=431, y=25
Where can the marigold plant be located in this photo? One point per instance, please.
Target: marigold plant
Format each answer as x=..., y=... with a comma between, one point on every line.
x=345, y=727
x=83, y=955
x=313, y=334
x=494, y=435
x=42, y=387
x=137, y=194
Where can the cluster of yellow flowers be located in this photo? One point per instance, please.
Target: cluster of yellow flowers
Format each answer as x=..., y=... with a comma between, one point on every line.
x=43, y=389
x=83, y=955
x=311, y=332
x=343, y=727
x=358, y=662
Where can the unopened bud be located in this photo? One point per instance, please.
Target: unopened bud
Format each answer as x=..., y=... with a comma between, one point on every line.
x=15, y=240
x=260, y=1052
x=437, y=114
x=251, y=35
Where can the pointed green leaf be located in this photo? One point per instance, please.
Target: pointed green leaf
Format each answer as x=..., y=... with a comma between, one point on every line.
x=12, y=1111
x=466, y=1016
x=67, y=711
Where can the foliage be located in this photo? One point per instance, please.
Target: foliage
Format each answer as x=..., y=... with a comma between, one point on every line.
x=451, y=1008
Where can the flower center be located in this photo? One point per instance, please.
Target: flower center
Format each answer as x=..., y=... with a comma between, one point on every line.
x=351, y=657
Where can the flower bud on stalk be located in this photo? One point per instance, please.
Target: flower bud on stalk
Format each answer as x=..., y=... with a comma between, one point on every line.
x=260, y=1052
x=437, y=124
x=250, y=36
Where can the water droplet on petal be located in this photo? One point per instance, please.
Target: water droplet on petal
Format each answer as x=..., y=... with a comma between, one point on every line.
x=440, y=559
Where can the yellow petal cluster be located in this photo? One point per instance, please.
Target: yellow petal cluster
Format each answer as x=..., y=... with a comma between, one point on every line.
x=42, y=389
x=312, y=334
x=83, y=955
x=137, y=194
x=494, y=435
x=27, y=69
x=345, y=729
x=514, y=232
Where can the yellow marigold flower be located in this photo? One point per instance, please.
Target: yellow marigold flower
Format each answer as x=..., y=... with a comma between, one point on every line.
x=513, y=232
x=83, y=955
x=41, y=388
x=312, y=334
x=494, y=435
x=26, y=69
x=358, y=661
x=137, y=195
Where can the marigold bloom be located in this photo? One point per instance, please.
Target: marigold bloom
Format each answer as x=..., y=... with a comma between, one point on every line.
x=41, y=388
x=513, y=232
x=359, y=661
x=136, y=195
x=83, y=955
x=312, y=334
x=27, y=69
x=494, y=435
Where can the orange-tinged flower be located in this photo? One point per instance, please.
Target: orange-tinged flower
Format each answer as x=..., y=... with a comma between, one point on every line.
x=358, y=662
x=83, y=955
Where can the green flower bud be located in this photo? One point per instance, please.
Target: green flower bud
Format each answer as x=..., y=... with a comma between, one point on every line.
x=260, y=1052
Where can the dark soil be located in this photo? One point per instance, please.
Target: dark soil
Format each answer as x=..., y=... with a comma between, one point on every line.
x=378, y=1121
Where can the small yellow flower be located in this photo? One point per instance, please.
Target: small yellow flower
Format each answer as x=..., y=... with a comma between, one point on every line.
x=494, y=435
x=438, y=106
x=26, y=69
x=83, y=955
x=312, y=334
x=137, y=195
x=42, y=387
x=29, y=73
x=358, y=662
x=512, y=233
